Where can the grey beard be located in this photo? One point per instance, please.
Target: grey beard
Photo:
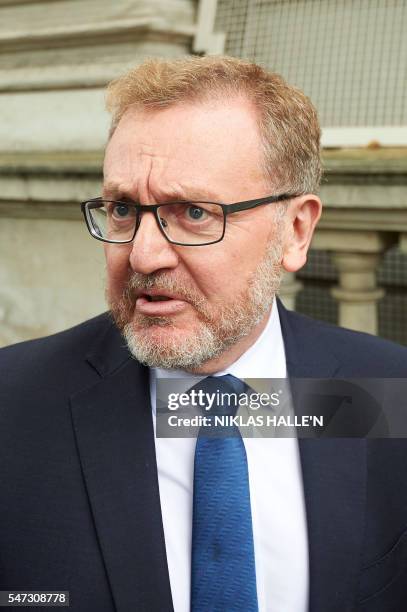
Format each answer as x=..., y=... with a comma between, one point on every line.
x=214, y=333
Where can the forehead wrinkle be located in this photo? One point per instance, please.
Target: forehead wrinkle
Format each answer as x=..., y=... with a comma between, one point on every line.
x=126, y=184
x=184, y=192
x=163, y=186
x=153, y=187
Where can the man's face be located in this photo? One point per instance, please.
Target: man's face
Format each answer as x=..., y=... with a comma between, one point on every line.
x=219, y=295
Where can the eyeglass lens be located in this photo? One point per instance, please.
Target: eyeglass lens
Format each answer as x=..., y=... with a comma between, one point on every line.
x=183, y=222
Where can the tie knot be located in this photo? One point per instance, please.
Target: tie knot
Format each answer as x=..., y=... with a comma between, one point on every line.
x=220, y=394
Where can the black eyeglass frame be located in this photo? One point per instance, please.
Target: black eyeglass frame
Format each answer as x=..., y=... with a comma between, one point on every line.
x=226, y=208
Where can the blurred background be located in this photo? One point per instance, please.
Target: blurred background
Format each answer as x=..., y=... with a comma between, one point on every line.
x=56, y=57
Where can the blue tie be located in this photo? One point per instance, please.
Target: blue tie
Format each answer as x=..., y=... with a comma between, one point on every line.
x=223, y=577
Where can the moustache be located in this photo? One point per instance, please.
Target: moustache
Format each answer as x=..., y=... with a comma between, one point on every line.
x=160, y=281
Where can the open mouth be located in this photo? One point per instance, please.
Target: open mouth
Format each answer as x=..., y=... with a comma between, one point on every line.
x=157, y=298
x=159, y=305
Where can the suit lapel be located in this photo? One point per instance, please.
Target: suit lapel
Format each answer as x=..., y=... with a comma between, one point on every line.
x=334, y=477
x=114, y=432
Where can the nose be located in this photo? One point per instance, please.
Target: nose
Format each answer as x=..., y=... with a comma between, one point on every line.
x=151, y=251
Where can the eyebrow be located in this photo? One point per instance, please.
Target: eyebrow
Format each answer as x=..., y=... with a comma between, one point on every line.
x=192, y=193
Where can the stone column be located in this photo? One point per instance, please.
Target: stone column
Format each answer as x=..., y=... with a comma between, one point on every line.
x=356, y=255
x=357, y=292
x=289, y=288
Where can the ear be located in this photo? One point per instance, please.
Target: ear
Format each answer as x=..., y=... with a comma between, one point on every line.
x=302, y=215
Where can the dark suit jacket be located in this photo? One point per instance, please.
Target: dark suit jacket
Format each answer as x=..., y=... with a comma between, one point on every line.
x=79, y=499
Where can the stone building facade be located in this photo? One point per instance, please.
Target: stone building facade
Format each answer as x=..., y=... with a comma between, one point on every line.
x=56, y=57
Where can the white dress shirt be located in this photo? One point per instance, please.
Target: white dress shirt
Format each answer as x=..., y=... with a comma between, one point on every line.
x=276, y=493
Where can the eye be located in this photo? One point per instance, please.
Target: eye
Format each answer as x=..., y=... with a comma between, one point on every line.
x=121, y=210
x=196, y=213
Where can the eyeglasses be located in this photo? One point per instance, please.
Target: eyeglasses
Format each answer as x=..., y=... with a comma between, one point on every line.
x=182, y=223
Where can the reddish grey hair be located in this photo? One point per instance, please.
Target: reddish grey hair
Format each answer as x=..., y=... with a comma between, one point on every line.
x=287, y=120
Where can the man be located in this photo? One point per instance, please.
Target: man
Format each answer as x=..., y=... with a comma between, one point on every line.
x=210, y=181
